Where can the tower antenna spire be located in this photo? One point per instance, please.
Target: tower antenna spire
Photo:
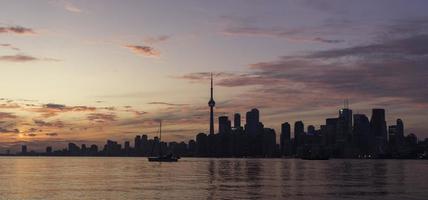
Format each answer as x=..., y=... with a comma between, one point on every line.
x=211, y=104
x=211, y=85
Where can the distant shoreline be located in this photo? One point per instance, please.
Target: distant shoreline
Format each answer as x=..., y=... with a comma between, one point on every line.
x=267, y=158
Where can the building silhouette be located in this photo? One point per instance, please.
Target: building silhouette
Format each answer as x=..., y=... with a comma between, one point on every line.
x=237, y=121
x=378, y=130
x=285, y=139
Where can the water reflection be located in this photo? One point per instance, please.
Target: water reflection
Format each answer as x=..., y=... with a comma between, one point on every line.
x=135, y=178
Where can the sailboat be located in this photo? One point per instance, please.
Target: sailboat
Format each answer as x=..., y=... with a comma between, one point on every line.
x=162, y=158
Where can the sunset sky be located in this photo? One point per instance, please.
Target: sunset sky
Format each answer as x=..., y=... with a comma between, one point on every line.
x=85, y=71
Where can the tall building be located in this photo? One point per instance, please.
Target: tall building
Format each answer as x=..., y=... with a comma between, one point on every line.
x=137, y=142
x=362, y=135
x=224, y=125
x=211, y=104
x=378, y=130
x=285, y=138
x=400, y=132
x=331, y=129
x=269, y=142
x=396, y=137
x=237, y=121
x=344, y=147
x=344, y=126
x=252, y=125
x=299, y=135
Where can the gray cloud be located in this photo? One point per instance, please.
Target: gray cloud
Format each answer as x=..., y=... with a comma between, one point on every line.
x=394, y=68
x=17, y=30
x=18, y=58
x=279, y=32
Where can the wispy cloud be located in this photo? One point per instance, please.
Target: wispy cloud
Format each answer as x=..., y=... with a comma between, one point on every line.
x=166, y=104
x=143, y=50
x=298, y=35
x=42, y=123
x=25, y=58
x=52, y=134
x=20, y=30
x=52, y=109
x=102, y=117
x=18, y=58
x=7, y=115
x=71, y=7
x=10, y=47
x=158, y=39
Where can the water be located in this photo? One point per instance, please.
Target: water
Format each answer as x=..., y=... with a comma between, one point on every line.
x=191, y=178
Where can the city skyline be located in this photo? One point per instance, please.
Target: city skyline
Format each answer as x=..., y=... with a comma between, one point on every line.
x=346, y=136
x=72, y=71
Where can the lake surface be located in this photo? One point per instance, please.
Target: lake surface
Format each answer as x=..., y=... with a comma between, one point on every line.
x=196, y=178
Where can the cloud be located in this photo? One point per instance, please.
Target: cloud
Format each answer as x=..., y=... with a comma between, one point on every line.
x=390, y=68
x=144, y=50
x=158, y=39
x=41, y=123
x=409, y=46
x=296, y=34
x=24, y=58
x=9, y=106
x=18, y=58
x=102, y=117
x=10, y=46
x=17, y=30
x=55, y=106
x=166, y=104
x=52, y=109
x=5, y=130
x=52, y=134
x=31, y=134
x=6, y=115
x=71, y=7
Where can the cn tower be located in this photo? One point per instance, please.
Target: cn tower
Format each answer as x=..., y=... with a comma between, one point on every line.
x=211, y=104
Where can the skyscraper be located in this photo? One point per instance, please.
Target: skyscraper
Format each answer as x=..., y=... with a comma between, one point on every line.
x=299, y=134
x=396, y=137
x=237, y=121
x=285, y=138
x=331, y=129
x=211, y=104
x=344, y=126
x=224, y=124
x=378, y=130
x=252, y=125
x=400, y=132
x=361, y=134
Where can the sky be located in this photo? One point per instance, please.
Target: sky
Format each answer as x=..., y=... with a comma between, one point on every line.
x=85, y=71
